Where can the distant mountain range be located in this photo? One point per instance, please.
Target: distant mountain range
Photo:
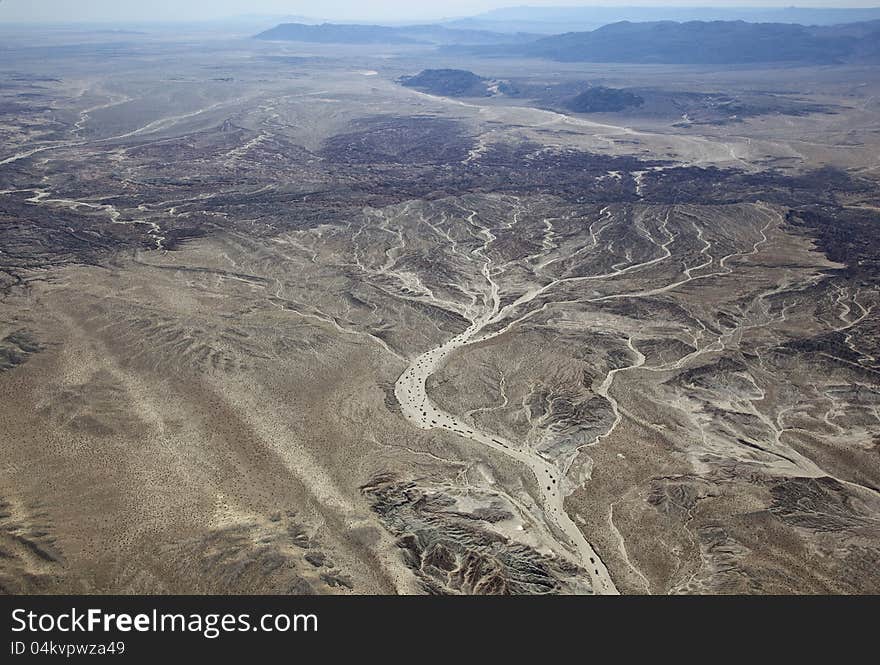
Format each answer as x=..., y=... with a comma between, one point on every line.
x=343, y=33
x=669, y=42
x=555, y=20
x=713, y=42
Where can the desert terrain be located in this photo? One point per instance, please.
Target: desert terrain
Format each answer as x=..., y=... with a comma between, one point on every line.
x=273, y=322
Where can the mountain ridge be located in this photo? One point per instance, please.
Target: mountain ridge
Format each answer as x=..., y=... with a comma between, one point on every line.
x=705, y=42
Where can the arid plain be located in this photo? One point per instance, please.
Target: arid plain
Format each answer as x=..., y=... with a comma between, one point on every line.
x=272, y=322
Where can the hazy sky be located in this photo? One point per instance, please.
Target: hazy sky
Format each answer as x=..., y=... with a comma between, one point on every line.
x=137, y=10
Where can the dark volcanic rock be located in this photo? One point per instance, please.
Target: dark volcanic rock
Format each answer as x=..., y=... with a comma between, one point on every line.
x=398, y=140
x=448, y=83
x=600, y=99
